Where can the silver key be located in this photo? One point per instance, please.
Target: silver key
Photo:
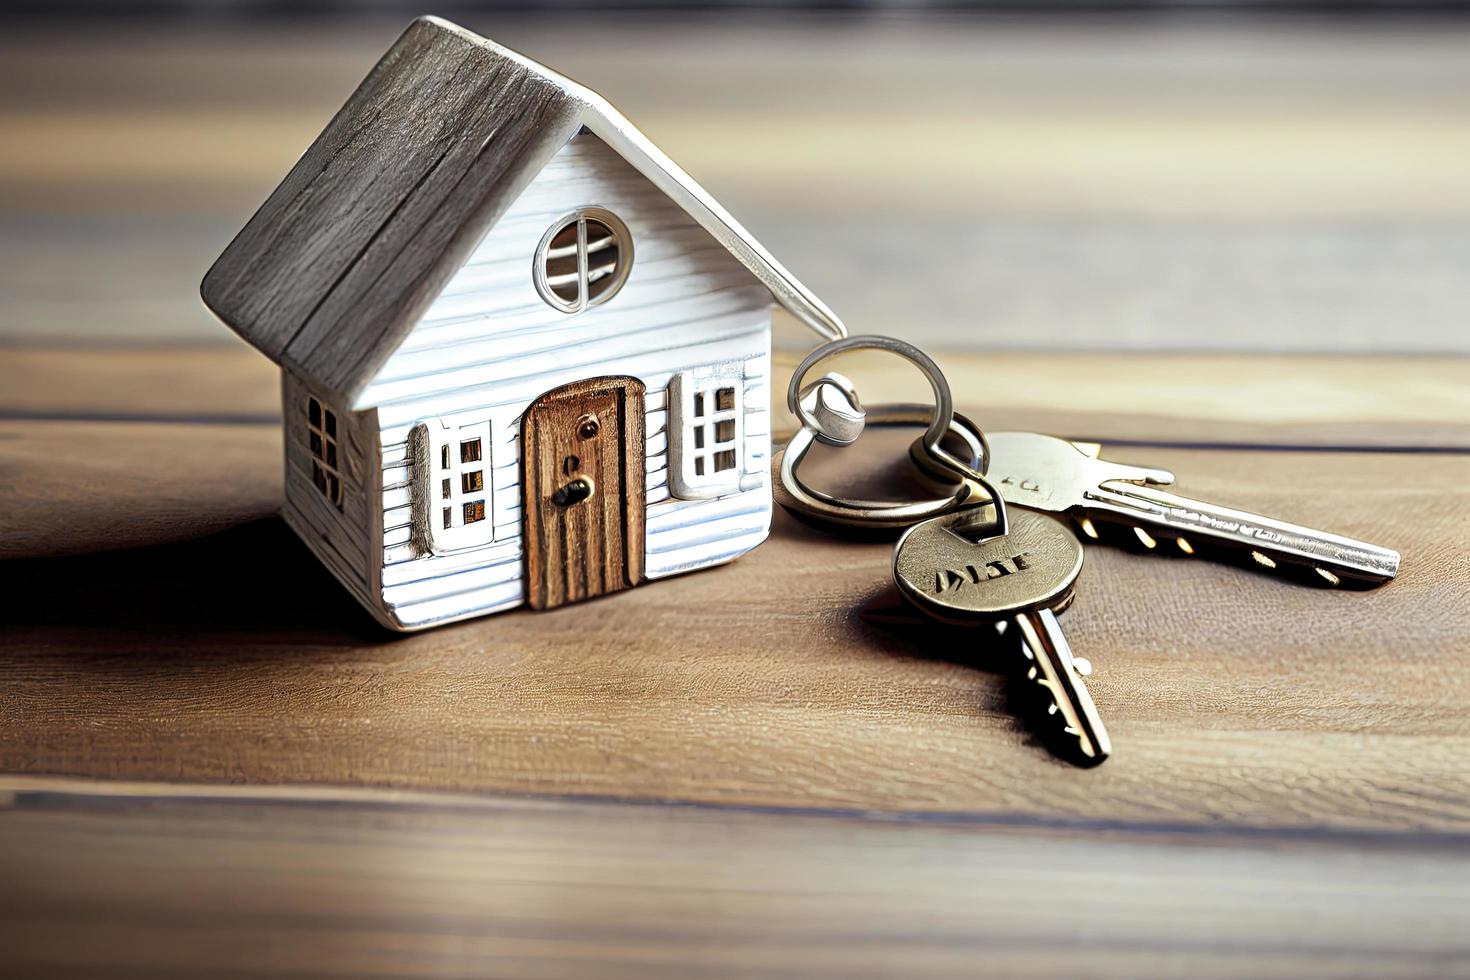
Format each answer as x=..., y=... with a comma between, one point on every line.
x=1050, y=474
x=1015, y=580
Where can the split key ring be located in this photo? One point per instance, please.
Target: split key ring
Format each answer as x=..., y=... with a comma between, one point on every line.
x=841, y=423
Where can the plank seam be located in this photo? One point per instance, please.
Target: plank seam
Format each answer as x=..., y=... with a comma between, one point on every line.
x=36, y=791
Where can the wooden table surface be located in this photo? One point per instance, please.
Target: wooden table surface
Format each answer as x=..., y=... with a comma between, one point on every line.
x=212, y=763
x=729, y=772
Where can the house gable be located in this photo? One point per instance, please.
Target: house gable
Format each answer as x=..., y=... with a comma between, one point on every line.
x=436, y=142
x=444, y=134
x=489, y=327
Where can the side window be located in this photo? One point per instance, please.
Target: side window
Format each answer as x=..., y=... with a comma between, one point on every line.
x=321, y=437
x=452, y=489
x=706, y=432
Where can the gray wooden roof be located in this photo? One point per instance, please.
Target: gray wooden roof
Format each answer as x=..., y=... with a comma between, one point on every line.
x=335, y=268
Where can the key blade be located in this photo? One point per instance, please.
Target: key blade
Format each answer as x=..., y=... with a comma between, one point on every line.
x=1055, y=670
x=1180, y=520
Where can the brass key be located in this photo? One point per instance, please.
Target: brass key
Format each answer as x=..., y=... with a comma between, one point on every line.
x=958, y=569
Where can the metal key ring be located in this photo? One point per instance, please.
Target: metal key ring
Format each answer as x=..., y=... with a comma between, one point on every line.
x=943, y=402
x=821, y=509
x=817, y=507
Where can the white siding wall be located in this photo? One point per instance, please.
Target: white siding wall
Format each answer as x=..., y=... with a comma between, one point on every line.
x=340, y=538
x=489, y=345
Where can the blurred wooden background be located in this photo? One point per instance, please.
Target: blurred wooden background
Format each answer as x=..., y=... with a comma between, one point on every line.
x=1227, y=247
x=1134, y=183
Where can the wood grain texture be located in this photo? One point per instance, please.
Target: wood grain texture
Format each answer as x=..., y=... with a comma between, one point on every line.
x=154, y=880
x=1233, y=700
x=81, y=487
x=749, y=779
x=227, y=383
x=1192, y=399
x=1289, y=795
x=589, y=431
x=1177, y=203
x=390, y=199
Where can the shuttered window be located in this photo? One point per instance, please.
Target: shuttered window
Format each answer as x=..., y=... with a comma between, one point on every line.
x=453, y=489
x=706, y=433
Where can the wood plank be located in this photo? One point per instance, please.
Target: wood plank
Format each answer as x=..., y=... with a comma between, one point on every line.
x=1166, y=189
x=83, y=487
x=1185, y=119
x=1368, y=402
x=149, y=880
x=1192, y=399
x=223, y=383
x=1288, y=795
x=1233, y=699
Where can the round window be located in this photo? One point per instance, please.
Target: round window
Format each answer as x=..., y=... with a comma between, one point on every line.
x=583, y=259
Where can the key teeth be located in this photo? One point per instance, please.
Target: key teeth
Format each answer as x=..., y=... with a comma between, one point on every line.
x=1077, y=750
x=1054, y=711
x=1158, y=517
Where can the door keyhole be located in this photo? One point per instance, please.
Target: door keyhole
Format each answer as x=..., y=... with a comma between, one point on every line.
x=573, y=493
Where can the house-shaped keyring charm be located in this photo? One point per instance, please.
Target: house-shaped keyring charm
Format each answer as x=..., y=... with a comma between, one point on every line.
x=525, y=359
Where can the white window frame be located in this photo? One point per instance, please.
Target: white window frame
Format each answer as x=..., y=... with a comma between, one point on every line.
x=620, y=237
x=695, y=422
x=448, y=480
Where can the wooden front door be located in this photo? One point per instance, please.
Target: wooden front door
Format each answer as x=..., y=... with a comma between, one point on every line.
x=582, y=474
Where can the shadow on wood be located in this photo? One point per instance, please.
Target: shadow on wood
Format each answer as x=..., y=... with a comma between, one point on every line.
x=80, y=487
x=894, y=625
x=256, y=578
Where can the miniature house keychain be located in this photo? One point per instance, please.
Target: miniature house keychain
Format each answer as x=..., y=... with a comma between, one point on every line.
x=524, y=357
